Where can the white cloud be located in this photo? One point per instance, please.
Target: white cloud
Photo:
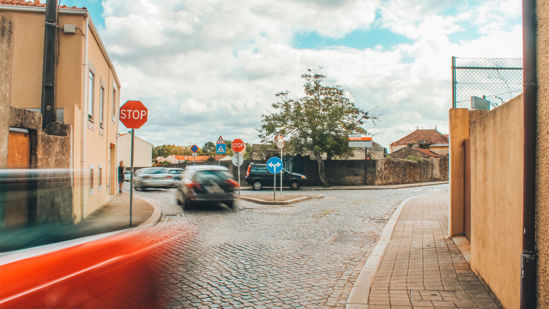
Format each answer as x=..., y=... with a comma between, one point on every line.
x=210, y=68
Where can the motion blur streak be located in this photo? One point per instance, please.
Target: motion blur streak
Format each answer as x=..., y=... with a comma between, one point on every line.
x=119, y=271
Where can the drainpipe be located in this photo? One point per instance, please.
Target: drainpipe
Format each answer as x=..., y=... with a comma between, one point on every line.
x=85, y=86
x=50, y=64
x=528, y=279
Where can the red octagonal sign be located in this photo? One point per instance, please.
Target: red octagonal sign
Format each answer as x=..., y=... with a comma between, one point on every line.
x=237, y=145
x=133, y=114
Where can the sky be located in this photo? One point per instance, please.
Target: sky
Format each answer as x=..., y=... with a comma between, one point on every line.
x=206, y=68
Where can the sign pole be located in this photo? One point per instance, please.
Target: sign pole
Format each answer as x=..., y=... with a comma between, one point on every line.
x=131, y=177
x=238, y=160
x=274, y=187
x=281, y=172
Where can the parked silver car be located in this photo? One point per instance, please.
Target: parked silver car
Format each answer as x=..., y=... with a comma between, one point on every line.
x=153, y=177
x=206, y=184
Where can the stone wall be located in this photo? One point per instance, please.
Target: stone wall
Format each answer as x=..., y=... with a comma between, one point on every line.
x=398, y=171
x=48, y=183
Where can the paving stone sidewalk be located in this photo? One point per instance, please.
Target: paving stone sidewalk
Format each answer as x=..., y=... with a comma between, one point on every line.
x=422, y=267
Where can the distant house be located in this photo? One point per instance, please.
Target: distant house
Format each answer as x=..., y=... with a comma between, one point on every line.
x=142, y=154
x=423, y=138
x=180, y=159
x=406, y=152
x=376, y=152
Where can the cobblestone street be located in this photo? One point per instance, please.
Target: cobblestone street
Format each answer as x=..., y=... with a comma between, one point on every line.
x=303, y=255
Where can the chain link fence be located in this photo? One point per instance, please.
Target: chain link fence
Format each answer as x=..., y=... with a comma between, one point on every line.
x=485, y=83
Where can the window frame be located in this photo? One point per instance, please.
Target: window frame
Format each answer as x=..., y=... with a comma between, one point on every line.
x=101, y=105
x=91, y=86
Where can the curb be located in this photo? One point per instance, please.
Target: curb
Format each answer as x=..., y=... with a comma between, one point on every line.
x=156, y=215
x=288, y=202
x=381, y=187
x=360, y=293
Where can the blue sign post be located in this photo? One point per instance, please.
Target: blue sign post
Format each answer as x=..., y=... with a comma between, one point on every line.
x=274, y=166
x=194, y=149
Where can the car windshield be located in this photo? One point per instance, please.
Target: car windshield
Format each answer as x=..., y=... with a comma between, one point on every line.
x=212, y=175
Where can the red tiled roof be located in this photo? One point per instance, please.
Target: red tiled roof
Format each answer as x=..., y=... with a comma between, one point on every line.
x=427, y=152
x=35, y=3
x=430, y=136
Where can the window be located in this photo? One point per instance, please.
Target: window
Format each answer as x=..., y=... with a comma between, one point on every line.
x=91, y=178
x=100, y=180
x=91, y=78
x=101, y=101
x=114, y=104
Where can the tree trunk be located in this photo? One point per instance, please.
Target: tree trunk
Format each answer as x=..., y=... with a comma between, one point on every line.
x=321, y=169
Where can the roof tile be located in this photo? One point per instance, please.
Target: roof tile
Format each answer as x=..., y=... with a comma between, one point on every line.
x=430, y=136
x=35, y=3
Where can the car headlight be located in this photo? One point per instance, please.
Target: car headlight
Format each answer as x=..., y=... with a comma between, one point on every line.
x=303, y=177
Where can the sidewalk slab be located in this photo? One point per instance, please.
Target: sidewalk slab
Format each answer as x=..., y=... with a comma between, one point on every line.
x=421, y=266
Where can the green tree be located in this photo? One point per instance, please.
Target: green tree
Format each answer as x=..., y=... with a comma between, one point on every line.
x=208, y=149
x=319, y=122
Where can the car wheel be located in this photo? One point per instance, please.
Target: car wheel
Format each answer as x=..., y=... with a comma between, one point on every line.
x=186, y=204
x=294, y=185
x=233, y=205
x=257, y=185
x=177, y=199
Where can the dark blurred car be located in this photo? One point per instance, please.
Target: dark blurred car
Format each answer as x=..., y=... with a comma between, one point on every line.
x=176, y=172
x=258, y=177
x=153, y=177
x=206, y=184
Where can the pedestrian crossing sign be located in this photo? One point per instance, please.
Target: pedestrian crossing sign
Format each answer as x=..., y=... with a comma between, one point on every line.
x=220, y=148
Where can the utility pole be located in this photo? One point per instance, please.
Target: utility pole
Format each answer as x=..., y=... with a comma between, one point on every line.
x=50, y=63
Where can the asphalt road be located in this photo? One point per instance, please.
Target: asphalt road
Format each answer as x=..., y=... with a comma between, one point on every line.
x=302, y=255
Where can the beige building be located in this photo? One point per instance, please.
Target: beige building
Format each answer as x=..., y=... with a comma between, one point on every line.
x=499, y=194
x=142, y=154
x=87, y=94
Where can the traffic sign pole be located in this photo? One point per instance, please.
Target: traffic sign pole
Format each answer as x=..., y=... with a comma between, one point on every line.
x=238, y=160
x=274, y=187
x=131, y=177
x=281, y=172
x=133, y=114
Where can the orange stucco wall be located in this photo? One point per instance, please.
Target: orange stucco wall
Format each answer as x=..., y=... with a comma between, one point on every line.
x=496, y=199
x=542, y=204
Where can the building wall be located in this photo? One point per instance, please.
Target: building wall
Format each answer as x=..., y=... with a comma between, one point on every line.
x=93, y=147
x=142, y=151
x=100, y=165
x=542, y=211
x=496, y=199
x=460, y=119
x=6, y=50
x=440, y=150
x=28, y=58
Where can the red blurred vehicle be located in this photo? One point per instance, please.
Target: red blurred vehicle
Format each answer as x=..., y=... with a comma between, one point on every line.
x=116, y=270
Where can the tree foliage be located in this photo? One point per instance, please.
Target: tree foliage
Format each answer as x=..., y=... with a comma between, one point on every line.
x=317, y=123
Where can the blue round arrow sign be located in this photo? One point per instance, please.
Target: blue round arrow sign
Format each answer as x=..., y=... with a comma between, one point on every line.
x=274, y=165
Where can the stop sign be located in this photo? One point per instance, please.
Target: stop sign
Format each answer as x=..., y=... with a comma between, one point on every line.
x=237, y=145
x=133, y=114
